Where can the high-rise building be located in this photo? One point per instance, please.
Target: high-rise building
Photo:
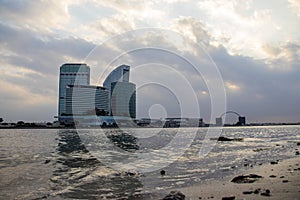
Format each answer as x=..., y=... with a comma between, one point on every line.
x=71, y=74
x=123, y=99
x=122, y=96
x=120, y=74
x=86, y=100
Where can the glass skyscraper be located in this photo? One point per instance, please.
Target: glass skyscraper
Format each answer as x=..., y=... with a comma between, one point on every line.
x=71, y=74
x=122, y=93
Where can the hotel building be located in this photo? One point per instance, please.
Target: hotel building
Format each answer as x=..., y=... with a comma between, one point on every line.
x=71, y=74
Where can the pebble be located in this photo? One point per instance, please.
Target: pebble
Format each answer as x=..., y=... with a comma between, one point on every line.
x=247, y=192
x=47, y=161
x=257, y=191
x=265, y=194
x=274, y=162
x=228, y=198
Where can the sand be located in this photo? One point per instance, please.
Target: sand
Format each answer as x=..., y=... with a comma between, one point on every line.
x=285, y=183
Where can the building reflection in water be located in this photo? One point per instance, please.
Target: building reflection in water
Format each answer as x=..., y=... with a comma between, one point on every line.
x=79, y=175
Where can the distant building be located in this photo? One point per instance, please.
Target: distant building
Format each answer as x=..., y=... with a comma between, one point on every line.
x=123, y=99
x=122, y=93
x=81, y=103
x=86, y=100
x=219, y=121
x=242, y=121
x=71, y=74
x=120, y=74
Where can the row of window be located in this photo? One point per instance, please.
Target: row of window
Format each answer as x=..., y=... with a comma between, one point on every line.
x=74, y=74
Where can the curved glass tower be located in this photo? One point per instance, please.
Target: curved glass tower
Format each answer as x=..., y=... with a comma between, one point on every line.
x=122, y=96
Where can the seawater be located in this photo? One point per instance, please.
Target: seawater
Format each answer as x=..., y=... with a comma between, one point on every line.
x=106, y=164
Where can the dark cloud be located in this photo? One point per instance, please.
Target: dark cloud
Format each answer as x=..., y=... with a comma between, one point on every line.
x=265, y=91
x=42, y=53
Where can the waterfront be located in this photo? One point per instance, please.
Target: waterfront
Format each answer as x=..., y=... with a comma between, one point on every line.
x=54, y=164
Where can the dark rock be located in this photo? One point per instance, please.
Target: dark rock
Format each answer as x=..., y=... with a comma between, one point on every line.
x=174, y=195
x=256, y=191
x=281, y=177
x=297, y=153
x=272, y=176
x=265, y=194
x=162, y=172
x=47, y=161
x=130, y=173
x=225, y=139
x=246, y=178
x=248, y=192
x=274, y=162
x=228, y=198
x=285, y=181
x=298, y=143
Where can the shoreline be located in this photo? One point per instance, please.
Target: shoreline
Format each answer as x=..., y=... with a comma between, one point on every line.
x=45, y=127
x=282, y=180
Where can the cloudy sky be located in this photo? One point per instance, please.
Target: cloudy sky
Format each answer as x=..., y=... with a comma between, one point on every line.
x=254, y=44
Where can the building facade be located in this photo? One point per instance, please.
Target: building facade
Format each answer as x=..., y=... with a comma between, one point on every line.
x=71, y=74
x=123, y=99
x=120, y=74
x=86, y=100
x=122, y=96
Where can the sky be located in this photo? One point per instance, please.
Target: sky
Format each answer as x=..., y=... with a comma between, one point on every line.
x=253, y=46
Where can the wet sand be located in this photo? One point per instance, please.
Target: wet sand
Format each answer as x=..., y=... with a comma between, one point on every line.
x=280, y=180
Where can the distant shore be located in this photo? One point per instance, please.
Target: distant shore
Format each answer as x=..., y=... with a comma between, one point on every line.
x=93, y=127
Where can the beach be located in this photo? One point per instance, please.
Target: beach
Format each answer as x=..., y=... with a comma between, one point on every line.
x=281, y=179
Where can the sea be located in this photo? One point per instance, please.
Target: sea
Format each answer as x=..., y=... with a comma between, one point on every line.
x=141, y=163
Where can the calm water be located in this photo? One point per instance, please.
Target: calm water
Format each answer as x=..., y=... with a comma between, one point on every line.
x=62, y=164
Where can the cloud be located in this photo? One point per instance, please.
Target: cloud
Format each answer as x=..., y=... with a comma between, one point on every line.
x=283, y=57
x=36, y=15
x=239, y=28
x=264, y=91
x=25, y=48
x=295, y=6
x=192, y=28
x=112, y=25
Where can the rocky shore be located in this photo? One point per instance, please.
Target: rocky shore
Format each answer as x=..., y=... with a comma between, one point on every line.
x=274, y=180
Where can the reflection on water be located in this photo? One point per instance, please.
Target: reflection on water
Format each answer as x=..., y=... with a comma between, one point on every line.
x=80, y=175
x=124, y=140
